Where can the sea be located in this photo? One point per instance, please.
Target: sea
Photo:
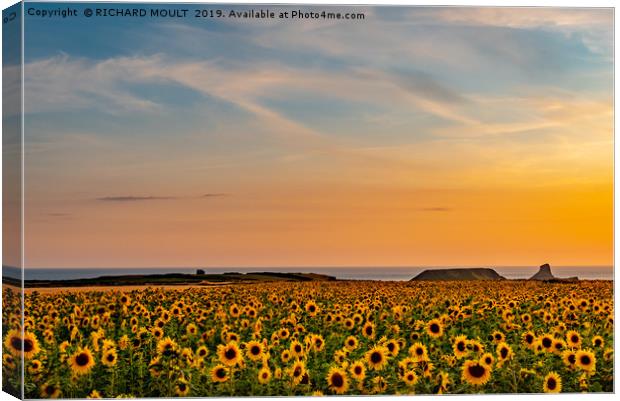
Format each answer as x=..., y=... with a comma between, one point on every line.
x=382, y=273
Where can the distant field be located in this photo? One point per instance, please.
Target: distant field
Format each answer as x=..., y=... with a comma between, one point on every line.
x=303, y=338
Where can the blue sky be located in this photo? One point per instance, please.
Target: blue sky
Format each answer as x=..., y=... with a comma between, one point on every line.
x=408, y=99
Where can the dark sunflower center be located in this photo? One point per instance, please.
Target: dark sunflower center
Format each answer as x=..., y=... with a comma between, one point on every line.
x=529, y=338
x=297, y=348
x=488, y=360
x=551, y=383
x=476, y=371
x=49, y=390
x=504, y=352
x=318, y=343
x=419, y=351
x=202, y=352
x=597, y=342
x=498, y=337
x=220, y=373
x=255, y=350
x=585, y=360
x=297, y=371
x=376, y=357
x=265, y=375
x=574, y=339
x=351, y=342
x=391, y=347
x=110, y=358
x=460, y=346
x=358, y=370
x=230, y=353
x=434, y=328
x=571, y=358
x=312, y=308
x=82, y=359
x=16, y=343
x=337, y=380
x=546, y=342
x=368, y=330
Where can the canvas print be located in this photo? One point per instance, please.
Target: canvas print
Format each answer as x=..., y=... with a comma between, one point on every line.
x=228, y=200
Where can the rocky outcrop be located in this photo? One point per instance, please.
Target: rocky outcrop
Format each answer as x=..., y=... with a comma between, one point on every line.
x=544, y=274
x=458, y=274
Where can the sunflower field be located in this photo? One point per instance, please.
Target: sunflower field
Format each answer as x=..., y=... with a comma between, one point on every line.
x=312, y=338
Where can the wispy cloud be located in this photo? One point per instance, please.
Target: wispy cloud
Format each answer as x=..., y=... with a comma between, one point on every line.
x=213, y=195
x=131, y=198
x=134, y=198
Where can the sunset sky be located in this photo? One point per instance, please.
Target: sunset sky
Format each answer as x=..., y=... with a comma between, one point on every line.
x=418, y=136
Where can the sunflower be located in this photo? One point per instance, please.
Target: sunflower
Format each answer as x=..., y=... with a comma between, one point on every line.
x=558, y=346
x=410, y=378
x=264, y=375
x=191, y=329
x=219, y=373
x=285, y=356
x=49, y=390
x=94, y=395
x=475, y=373
x=337, y=380
x=528, y=339
x=157, y=332
x=28, y=346
x=202, y=351
x=459, y=346
x=351, y=343
x=284, y=333
x=476, y=346
x=526, y=318
x=585, y=360
x=573, y=339
x=552, y=383
x=109, y=357
x=503, y=351
x=254, y=350
x=569, y=358
x=297, y=371
x=392, y=347
x=546, y=341
x=418, y=352
x=376, y=357
x=434, y=328
x=497, y=336
x=35, y=366
x=167, y=347
x=368, y=330
x=296, y=349
x=357, y=371
x=82, y=361
x=443, y=380
x=182, y=388
x=487, y=359
x=598, y=342
x=379, y=384
x=8, y=361
x=229, y=354
x=311, y=308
